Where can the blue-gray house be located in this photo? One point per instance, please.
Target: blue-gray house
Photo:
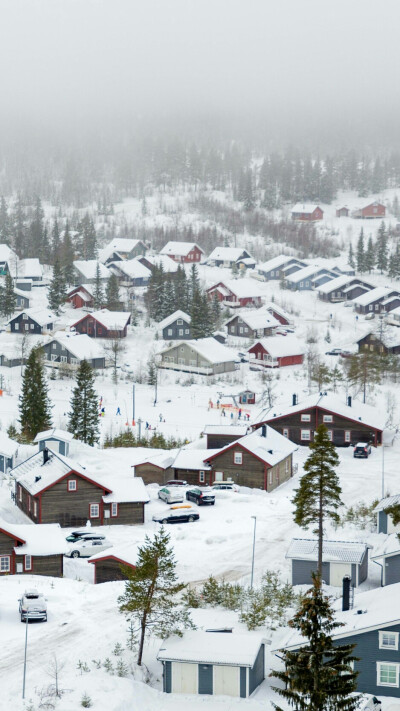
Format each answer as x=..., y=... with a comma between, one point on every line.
x=176, y=326
x=212, y=663
x=339, y=559
x=373, y=626
x=54, y=439
x=387, y=556
x=8, y=452
x=384, y=522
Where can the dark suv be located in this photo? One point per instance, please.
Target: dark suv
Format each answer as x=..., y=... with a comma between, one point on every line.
x=201, y=496
x=362, y=450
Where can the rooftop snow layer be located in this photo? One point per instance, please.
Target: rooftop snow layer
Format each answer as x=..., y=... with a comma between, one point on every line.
x=88, y=268
x=127, y=553
x=40, y=539
x=390, y=546
x=276, y=263
x=132, y=268
x=35, y=474
x=56, y=433
x=179, y=248
x=192, y=459
x=80, y=345
x=305, y=208
x=332, y=551
x=239, y=430
x=126, y=490
x=307, y=273
x=41, y=316
x=209, y=349
x=111, y=320
x=162, y=260
x=387, y=502
x=242, y=288
x=227, y=254
x=256, y=318
x=8, y=447
x=336, y=283
x=281, y=346
x=271, y=449
x=212, y=648
x=120, y=245
x=170, y=319
x=380, y=292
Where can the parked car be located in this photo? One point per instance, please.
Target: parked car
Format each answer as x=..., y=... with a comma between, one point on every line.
x=225, y=486
x=362, y=450
x=201, y=496
x=87, y=533
x=243, y=357
x=86, y=547
x=346, y=354
x=334, y=352
x=177, y=514
x=170, y=495
x=370, y=316
x=348, y=304
x=176, y=482
x=33, y=606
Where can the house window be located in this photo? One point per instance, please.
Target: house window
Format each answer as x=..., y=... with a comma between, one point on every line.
x=301, y=284
x=327, y=418
x=181, y=361
x=54, y=357
x=16, y=326
x=4, y=564
x=186, y=331
x=19, y=492
x=240, y=329
x=347, y=436
x=74, y=361
x=180, y=331
x=387, y=674
x=94, y=510
x=306, y=418
x=193, y=362
x=170, y=332
x=307, y=283
x=330, y=435
x=114, y=509
x=270, y=476
x=35, y=508
x=25, y=317
x=388, y=640
x=305, y=435
x=272, y=273
x=219, y=476
x=238, y=458
x=63, y=359
x=232, y=329
x=54, y=346
x=370, y=307
x=285, y=433
x=29, y=503
x=202, y=477
x=179, y=322
x=28, y=562
x=72, y=485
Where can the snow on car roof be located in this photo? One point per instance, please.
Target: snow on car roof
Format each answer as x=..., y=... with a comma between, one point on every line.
x=41, y=539
x=170, y=319
x=332, y=551
x=212, y=648
x=179, y=248
x=126, y=490
x=281, y=346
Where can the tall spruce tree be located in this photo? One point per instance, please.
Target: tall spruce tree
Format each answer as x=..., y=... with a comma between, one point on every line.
x=382, y=249
x=98, y=291
x=5, y=226
x=363, y=371
x=8, y=297
x=55, y=242
x=351, y=259
x=19, y=228
x=34, y=404
x=84, y=414
x=394, y=263
x=318, y=496
x=361, y=252
x=149, y=600
x=369, y=257
x=67, y=256
x=112, y=293
x=57, y=290
x=318, y=676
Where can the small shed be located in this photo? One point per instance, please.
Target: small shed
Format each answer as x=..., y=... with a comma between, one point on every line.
x=34, y=550
x=213, y=663
x=8, y=452
x=339, y=559
x=220, y=435
x=342, y=211
x=384, y=520
x=109, y=565
x=55, y=439
x=247, y=397
x=387, y=556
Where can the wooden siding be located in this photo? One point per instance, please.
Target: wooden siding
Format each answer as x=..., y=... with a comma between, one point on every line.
x=152, y=474
x=47, y=565
x=252, y=472
x=192, y=359
x=128, y=513
x=108, y=570
x=175, y=329
x=236, y=324
x=71, y=508
x=94, y=329
x=391, y=569
x=373, y=344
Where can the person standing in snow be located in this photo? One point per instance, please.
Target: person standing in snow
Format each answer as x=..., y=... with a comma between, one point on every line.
x=118, y=411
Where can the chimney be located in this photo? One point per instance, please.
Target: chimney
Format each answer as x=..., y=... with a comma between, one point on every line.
x=349, y=400
x=45, y=455
x=294, y=399
x=346, y=593
x=263, y=430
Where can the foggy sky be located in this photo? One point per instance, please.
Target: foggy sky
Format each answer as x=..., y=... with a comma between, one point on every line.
x=291, y=60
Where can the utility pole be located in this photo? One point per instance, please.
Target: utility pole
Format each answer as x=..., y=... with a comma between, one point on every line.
x=133, y=405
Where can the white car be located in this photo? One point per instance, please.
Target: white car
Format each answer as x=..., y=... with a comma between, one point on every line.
x=171, y=494
x=85, y=548
x=33, y=606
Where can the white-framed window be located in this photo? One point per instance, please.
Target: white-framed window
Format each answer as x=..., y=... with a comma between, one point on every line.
x=202, y=477
x=270, y=476
x=187, y=331
x=305, y=435
x=301, y=284
x=72, y=485
x=54, y=357
x=35, y=508
x=327, y=418
x=240, y=329
x=388, y=640
x=272, y=273
x=5, y=564
x=193, y=362
x=181, y=361
x=180, y=331
x=16, y=326
x=63, y=359
x=219, y=476
x=32, y=326
x=19, y=492
x=29, y=503
x=74, y=361
x=94, y=510
x=370, y=307
x=387, y=674
x=305, y=418
x=54, y=346
x=307, y=283
x=24, y=317
x=238, y=458
x=114, y=509
x=347, y=436
x=169, y=331
x=28, y=562
x=232, y=329
x=330, y=435
x=285, y=432
x=179, y=322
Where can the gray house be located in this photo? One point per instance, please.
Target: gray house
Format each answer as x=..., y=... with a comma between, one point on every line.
x=55, y=439
x=275, y=268
x=72, y=348
x=384, y=523
x=8, y=452
x=388, y=558
x=213, y=663
x=175, y=327
x=23, y=301
x=204, y=356
x=373, y=626
x=32, y=321
x=304, y=279
x=340, y=559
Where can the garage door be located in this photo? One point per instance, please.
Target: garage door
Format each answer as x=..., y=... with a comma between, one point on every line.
x=338, y=572
x=184, y=678
x=226, y=681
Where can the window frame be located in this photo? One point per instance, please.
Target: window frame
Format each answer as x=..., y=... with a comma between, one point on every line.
x=94, y=504
x=202, y=476
x=347, y=436
x=114, y=509
x=285, y=432
x=305, y=417
x=389, y=633
x=327, y=419
x=305, y=439
x=379, y=666
x=35, y=508
x=7, y=558
x=72, y=488
x=27, y=558
x=19, y=492
x=238, y=455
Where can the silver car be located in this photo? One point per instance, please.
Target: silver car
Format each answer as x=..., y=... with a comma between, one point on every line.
x=33, y=606
x=87, y=547
x=171, y=494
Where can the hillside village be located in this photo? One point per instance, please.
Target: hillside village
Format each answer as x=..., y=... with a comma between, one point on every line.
x=215, y=368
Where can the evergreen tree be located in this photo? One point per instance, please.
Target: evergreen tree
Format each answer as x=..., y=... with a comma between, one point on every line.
x=319, y=675
x=369, y=257
x=86, y=238
x=98, y=291
x=180, y=289
x=149, y=600
x=394, y=263
x=34, y=405
x=36, y=245
x=19, y=229
x=382, y=249
x=361, y=252
x=84, y=414
x=249, y=199
x=8, y=297
x=67, y=256
x=351, y=259
x=363, y=371
x=216, y=312
x=56, y=243
x=318, y=496
x=5, y=227
x=112, y=293
x=57, y=290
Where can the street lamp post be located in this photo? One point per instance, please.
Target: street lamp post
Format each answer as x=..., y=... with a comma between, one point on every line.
x=254, y=549
x=383, y=469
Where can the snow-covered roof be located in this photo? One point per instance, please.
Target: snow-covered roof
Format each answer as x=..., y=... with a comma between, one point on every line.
x=127, y=553
x=227, y=254
x=242, y=288
x=304, y=207
x=238, y=649
x=256, y=318
x=272, y=306
x=179, y=248
x=111, y=320
x=39, y=315
x=281, y=346
x=276, y=262
x=173, y=317
x=235, y=430
x=271, y=449
x=387, y=502
x=20, y=292
x=126, y=490
x=8, y=447
x=132, y=268
x=358, y=411
x=54, y=433
x=208, y=348
x=120, y=245
x=80, y=345
x=6, y=253
x=35, y=474
x=26, y=268
x=42, y=539
x=366, y=287
x=88, y=268
x=332, y=551
x=307, y=273
x=162, y=260
x=390, y=546
x=380, y=292
x=336, y=283
x=192, y=459
x=160, y=458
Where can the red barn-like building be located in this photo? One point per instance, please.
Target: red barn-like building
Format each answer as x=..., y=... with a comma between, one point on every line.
x=104, y=324
x=373, y=211
x=277, y=351
x=307, y=213
x=184, y=252
x=81, y=297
